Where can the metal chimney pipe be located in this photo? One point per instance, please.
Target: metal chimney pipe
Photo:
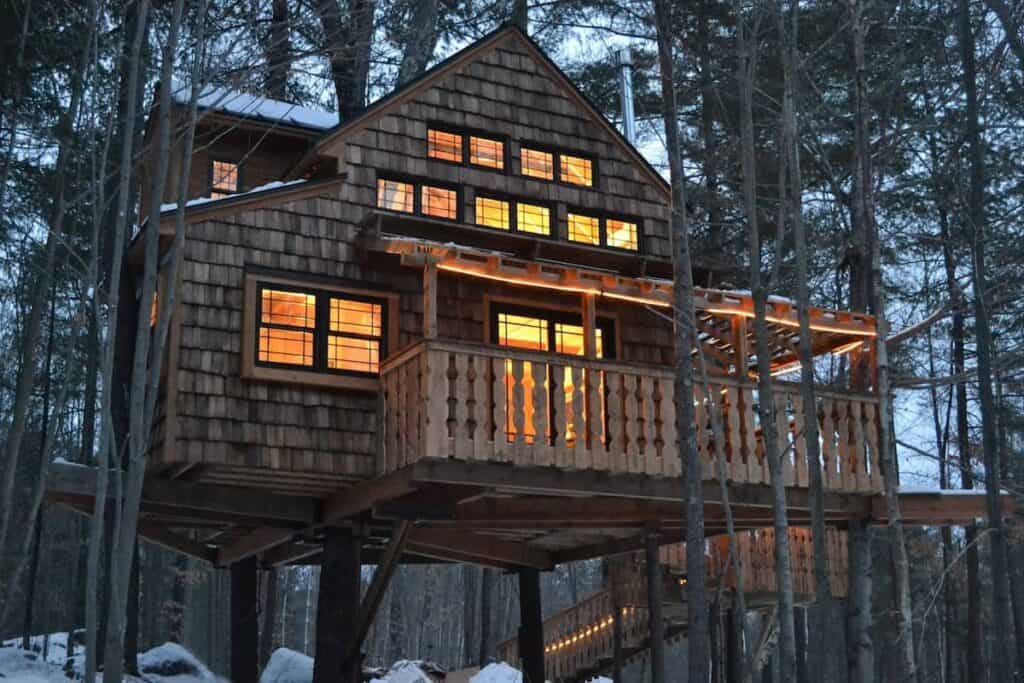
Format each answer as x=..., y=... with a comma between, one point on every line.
x=624, y=59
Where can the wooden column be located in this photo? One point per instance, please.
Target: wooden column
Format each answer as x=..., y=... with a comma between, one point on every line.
x=589, y=315
x=244, y=623
x=531, y=626
x=337, y=609
x=430, y=299
x=654, y=608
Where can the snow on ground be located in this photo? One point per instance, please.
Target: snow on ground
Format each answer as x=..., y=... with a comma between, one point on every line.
x=498, y=673
x=288, y=666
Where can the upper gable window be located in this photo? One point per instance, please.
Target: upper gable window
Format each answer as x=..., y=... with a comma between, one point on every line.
x=439, y=202
x=224, y=178
x=585, y=229
x=533, y=218
x=486, y=152
x=535, y=163
x=443, y=145
x=577, y=170
x=395, y=196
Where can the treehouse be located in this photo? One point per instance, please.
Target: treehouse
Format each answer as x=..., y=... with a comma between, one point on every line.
x=442, y=332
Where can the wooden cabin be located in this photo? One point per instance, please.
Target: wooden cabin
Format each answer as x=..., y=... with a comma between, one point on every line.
x=443, y=332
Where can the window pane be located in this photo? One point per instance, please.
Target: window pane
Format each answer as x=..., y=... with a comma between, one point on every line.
x=522, y=332
x=533, y=218
x=293, y=347
x=440, y=202
x=294, y=309
x=577, y=170
x=225, y=178
x=394, y=196
x=356, y=355
x=586, y=229
x=355, y=317
x=446, y=146
x=537, y=164
x=622, y=234
x=486, y=152
x=569, y=339
x=493, y=213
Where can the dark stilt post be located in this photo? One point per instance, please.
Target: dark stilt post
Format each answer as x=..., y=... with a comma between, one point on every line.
x=733, y=624
x=654, y=609
x=531, y=626
x=337, y=609
x=616, y=631
x=244, y=624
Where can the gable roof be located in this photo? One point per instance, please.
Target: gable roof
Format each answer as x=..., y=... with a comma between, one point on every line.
x=433, y=75
x=256, y=107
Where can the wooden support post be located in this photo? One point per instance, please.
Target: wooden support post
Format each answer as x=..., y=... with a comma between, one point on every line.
x=381, y=578
x=616, y=630
x=531, y=626
x=734, y=648
x=430, y=300
x=244, y=623
x=654, y=608
x=589, y=308
x=336, y=613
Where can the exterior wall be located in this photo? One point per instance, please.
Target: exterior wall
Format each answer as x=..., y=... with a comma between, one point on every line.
x=222, y=419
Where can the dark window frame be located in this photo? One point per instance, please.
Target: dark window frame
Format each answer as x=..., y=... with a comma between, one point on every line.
x=558, y=153
x=239, y=184
x=466, y=134
x=553, y=316
x=321, y=330
x=603, y=217
x=513, y=219
x=417, y=196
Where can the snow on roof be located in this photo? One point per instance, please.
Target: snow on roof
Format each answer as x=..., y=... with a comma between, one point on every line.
x=274, y=185
x=254, y=106
x=930, y=491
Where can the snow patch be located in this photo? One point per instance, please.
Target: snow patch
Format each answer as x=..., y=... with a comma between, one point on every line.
x=273, y=185
x=288, y=666
x=172, y=662
x=253, y=106
x=499, y=672
x=406, y=671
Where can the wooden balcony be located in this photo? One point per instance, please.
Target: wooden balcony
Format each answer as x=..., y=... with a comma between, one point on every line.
x=578, y=641
x=471, y=402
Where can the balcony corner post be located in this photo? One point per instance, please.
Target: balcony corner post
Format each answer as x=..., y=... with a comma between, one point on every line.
x=430, y=299
x=531, y=625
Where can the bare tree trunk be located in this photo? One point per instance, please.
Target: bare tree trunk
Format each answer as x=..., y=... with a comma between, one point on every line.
x=823, y=637
x=420, y=44
x=486, y=590
x=520, y=15
x=19, y=61
x=347, y=42
x=1011, y=28
x=470, y=612
x=269, y=617
x=1002, y=655
x=278, y=50
x=685, y=327
x=860, y=649
x=746, y=65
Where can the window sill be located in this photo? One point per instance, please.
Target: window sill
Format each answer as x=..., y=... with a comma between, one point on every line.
x=308, y=378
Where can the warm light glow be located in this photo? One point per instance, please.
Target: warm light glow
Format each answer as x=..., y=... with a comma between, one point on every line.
x=577, y=170
x=444, y=146
x=439, y=202
x=287, y=321
x=154, y=309
x=356, y=355
x=492, y=213
x=537, y=164
x=486, y=152
x=394, y=196
x=586, y=229
x=622, y=234
x=789, y=322
x=847, y=348
x=291, y=347
x=533, y=219
x=353, y=342
x=294, y=309
x=224, y=178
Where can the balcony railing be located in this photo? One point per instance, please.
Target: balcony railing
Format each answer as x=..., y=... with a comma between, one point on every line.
x=472, y=402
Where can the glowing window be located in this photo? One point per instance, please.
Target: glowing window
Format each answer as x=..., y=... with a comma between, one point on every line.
x=354, y=335
x=577, y=170
x=533, y=219
x=621, y=234
x=444, y=146
x=395, y=196
x=286, y=327
x=492, y=213
x=486, y=152
x=320, y=331
x=585, y=229
x=439, y=202
x=154, y=309
x=537, y=164
x=223, y=178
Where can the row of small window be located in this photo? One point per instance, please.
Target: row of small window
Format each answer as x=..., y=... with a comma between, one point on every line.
x=505, y=214
x=319, y=331
x=490, y=153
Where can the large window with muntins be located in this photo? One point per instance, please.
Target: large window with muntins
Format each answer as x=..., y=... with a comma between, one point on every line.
x=444, y=145
x=535, y=163
x=319, y=330
x=439, y=202
x=533, y=218
x=576, y=170
x=394, y=195
x=493, y=213
x=225, y=178
x=622, y=234
x=585, y=229
x=486, y=152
